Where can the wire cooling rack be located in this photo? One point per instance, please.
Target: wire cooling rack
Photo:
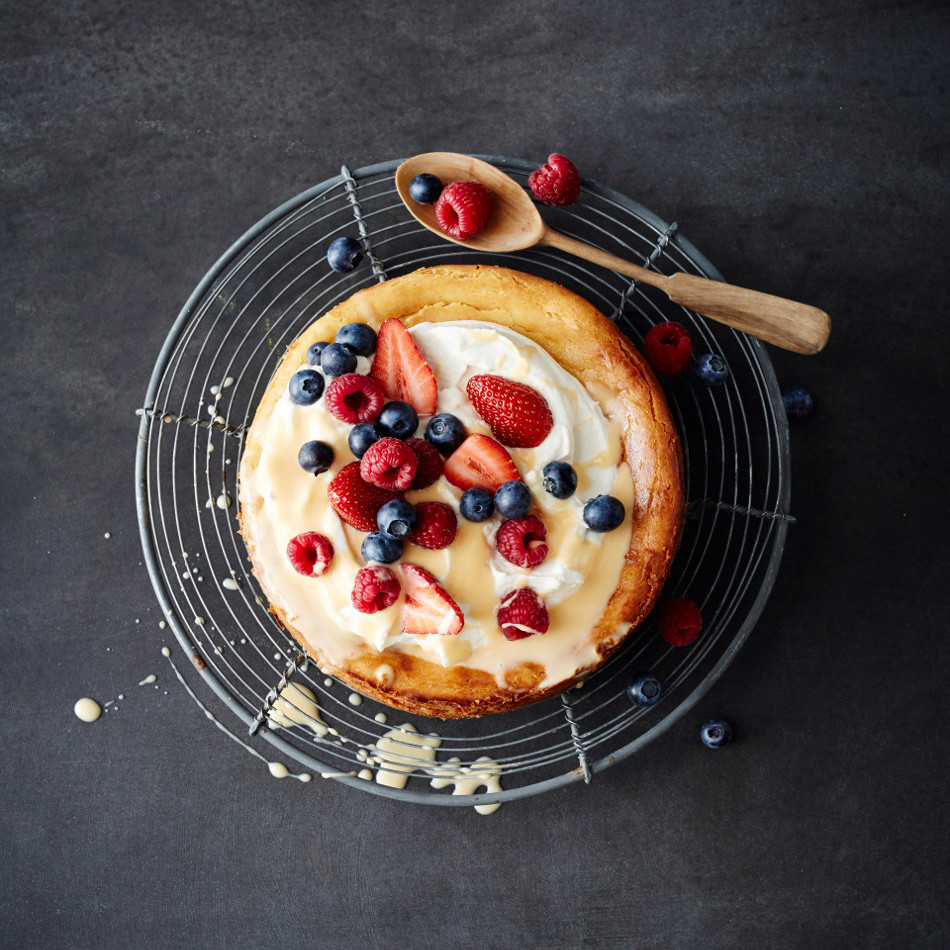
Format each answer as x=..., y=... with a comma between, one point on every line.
x=212, y=370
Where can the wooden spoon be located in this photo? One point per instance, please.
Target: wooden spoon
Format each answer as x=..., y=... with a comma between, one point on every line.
x=515, y=224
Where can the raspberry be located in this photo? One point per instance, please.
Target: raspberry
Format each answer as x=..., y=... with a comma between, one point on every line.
x=310, y=553
x=436, y=525
x=668, y=348
x=463, y=208
x=353, y=398
x=680, y=621
x=430, y=462
x=521, y=541
x=389, y=463
x=522, y=614
x=556, y=183
x=374, y=588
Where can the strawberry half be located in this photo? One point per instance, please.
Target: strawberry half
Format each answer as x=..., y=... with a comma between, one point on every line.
x=428, y=608
x=517, y=414
x=480, y=462
x=400, y=370
x=356, y=501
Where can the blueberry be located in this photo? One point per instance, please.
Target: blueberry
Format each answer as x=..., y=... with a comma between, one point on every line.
x=710, y=369
x=798, y=403
x=337, y=359
x=477, y=504
x=315, y=457
x=397, y=419
x=425, y=188
x=344, y=254
x=381, y=547
x=644, y=690
x=559, y=479
x=358, y=338
x=361, y=437
x=397, y=518
x=306, y=387
x=445, y=432
x=513, y=500
x=715, y=733
x=313, y=354
x=603, y=513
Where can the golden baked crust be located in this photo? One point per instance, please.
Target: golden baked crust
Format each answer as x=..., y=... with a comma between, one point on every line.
x=588, y=346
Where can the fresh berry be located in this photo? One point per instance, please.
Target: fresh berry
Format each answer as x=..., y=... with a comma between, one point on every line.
x=557, y=182
x=430, y=463
x=310, y=553
x=644, y=689
x=798, y=403
x=397, y=518
x=361, y=437
x=462, y=209
x=711, y=369
x=314, y=353
x=429, y=609
x=358, y=338
x=513, y=500
x=374, y=588
x=398, y=419
x=436, y=527
x=306, y=387
x=521, y=541
x=445, y=432
x=315, y=457
x=559, y=479
x=604, y=513
x=479, y=461
x=715, y=733
x=517, y=414
x=390, y=464
x=401, y=370
x=381, y=548
x=353, y=398
x=477, y=504
x=680, y=621
x=522, y=614
x=337, y=359
x=425, y=188
x=344, y=254
x=668, y=347
x=355, y=500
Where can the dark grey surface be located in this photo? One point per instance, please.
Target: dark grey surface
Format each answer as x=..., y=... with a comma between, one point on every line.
x=803, y=148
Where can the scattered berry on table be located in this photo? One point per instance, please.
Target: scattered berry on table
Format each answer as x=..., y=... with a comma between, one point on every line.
x=559, y=479
x=436, y=527
x=522, y=614
x=668, y=347
x=604, y=513
x=380, y=547
x=644, y=689
x=425, y=188
x=477, y=504
x=361, y=437
x=398, y=419
x=711, y=369
x=798, y=403
x=518, y=415
x=314, y=352
x=401, y=370
x=679, y=621
x=310, y=553
x=479, y=462
x=557, y=182
x=397, y=518
x=390, y=464
x=462, y=209
x=513, y=500
x=374, y=588
x=715, y=733
x=315, y=457
x=521, y=541
x=446, y=432
x=306, y=387
x=355, y=500
x=344, y=254
x=358, y=338
x=429, y=609
x=337, y=360
x=430, y=463
x=353, y=398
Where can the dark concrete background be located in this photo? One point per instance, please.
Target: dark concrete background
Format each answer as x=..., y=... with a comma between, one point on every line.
x=803, y=147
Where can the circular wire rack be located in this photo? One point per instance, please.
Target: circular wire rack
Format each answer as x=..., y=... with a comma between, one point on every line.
x=209, y=377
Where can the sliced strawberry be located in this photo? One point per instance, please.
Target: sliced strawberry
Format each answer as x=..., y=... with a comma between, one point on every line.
x=517, y=414
x=356, y=501
x=428, y=609
x=480, y=462
x=401, y=371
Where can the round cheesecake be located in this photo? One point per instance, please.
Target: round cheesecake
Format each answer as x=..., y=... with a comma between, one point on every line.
x=608, y=419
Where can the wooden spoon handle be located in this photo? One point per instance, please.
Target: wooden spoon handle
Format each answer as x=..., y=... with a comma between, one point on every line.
x=792, y=326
